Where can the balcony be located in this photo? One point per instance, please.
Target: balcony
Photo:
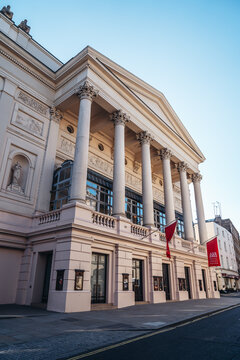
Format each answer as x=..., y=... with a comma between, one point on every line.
x=83, y=215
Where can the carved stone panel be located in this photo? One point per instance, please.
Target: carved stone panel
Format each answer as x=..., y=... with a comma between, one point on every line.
x=67, y=146
x=28, y=123
x=32, y=103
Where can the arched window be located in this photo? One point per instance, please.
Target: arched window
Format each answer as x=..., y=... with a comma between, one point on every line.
x=60, y=192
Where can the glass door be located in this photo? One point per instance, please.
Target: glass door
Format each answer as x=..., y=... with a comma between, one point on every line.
x=137, y=279
x=166, y=284
x=98, y=278
x=187, y=277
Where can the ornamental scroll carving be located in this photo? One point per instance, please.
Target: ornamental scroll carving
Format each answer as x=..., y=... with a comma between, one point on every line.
x=34, y=104
x=144, y=137
x=120, y=118
x=182, y=166
x=197, y=177
x=165, y=154
x=86, y=91
x=55, y=114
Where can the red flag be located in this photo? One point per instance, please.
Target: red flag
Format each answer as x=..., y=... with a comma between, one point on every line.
x=169, y=231
x=213, y=254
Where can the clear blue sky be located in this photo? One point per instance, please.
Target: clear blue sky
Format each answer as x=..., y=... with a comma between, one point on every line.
x=187, y=49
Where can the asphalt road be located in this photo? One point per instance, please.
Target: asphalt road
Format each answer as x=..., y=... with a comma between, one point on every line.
x=214, y=338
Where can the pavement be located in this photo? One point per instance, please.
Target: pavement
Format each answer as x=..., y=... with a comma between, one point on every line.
x=36, y=334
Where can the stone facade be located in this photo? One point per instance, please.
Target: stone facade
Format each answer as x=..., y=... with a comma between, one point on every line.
x=90, y=128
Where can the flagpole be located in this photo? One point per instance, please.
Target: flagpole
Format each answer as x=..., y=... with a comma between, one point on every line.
x=163, y=227
x=203, y=243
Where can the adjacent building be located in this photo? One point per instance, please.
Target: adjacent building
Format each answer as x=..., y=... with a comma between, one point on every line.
x=227, y=273
x=93, y=163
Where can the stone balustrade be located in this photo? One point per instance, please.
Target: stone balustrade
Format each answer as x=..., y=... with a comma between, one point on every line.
x=49, y=217
x=139, y=230
x=103, y=220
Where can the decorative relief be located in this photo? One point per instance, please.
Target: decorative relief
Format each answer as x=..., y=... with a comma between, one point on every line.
x=197, y=177
x=158, y=195
x=136, y=166
x=67, y=146
x=86, y=91
x=133, y=181
x=144, y=137
x=154, y=178
x=120, y=118
x=165, y=154
x=34, y=104
x=100, y=164
x=33, y=125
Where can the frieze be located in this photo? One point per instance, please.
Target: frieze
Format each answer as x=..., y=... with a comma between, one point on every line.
x=30, y=124
x=158, y=195
x=67, y=146
x=100, y=164
x=34, y=104
x=133, y=181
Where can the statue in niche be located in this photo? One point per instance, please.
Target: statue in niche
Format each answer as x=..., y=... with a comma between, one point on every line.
x=15, y=182
x=7, y=12
x=23, y=25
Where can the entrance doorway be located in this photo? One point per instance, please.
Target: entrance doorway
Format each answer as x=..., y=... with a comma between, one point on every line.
x=204, y=282
x=137, y=279
x=166, y=282
x=98, y=278
x=42, y=279
x=47, y=274
x=187, y=277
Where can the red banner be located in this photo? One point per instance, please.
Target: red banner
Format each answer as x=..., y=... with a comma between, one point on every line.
x=213, y=254
x=169, y=231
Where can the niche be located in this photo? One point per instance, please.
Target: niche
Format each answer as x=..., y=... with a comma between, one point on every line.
x=18, y=175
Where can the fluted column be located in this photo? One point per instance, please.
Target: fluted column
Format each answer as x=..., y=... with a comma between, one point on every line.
x=147, y=194
x=86, y=93
x=120, y=120
x=43, y=198
x=199, y=206
x=165, y=155
x=186, y=202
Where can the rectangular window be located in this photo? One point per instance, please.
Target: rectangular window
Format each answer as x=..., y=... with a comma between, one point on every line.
x=200, y=284
x=159, y=220
x=180, y=228
x=59, y=280
x=134, y=210
x=158, y=283
x=215, y=285
x=99, y=198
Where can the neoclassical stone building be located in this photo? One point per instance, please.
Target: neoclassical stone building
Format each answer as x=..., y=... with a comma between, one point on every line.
x=93, y=163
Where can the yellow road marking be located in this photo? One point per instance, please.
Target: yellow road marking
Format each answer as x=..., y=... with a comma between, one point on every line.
x=145, y=336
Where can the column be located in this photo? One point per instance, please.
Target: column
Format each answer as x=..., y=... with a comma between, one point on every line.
x=186, y=202
x=86, y=93
x=196, y=178
x=165, y=155
x=147, y=194
x=120, y=120
x=49, y=161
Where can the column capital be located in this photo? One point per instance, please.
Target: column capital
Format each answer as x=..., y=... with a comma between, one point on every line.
x=144, y=137
x=119, y=118
x=86, y=91
x=165, y=154
x=182, y=166
x=197, y=177
x=55, y=114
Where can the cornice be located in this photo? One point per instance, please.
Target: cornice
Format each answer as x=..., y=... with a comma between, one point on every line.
x=26, y=61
